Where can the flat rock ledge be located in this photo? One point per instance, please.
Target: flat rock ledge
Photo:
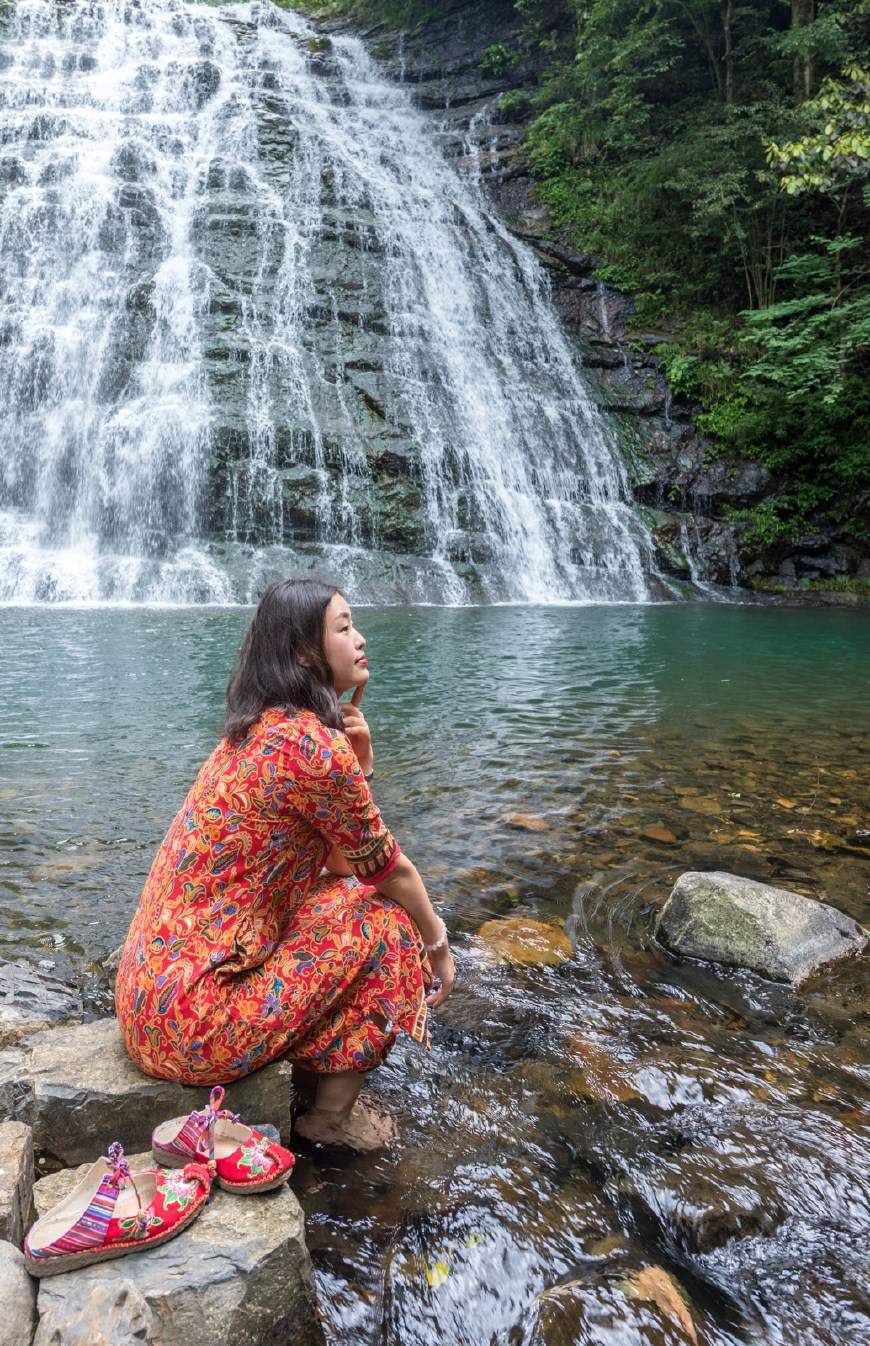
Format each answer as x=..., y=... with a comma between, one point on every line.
x=781, y=935
x=78, y=1090
x=31, y=1000
x=240, y=1275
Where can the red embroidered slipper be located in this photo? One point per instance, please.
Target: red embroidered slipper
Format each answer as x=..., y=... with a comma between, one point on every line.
x=241, y=1159
x=112, y=1212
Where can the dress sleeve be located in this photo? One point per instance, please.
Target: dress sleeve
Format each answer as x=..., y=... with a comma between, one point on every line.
x=327, y=789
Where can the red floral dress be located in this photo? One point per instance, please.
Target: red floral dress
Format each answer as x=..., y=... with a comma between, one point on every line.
x=241, y=950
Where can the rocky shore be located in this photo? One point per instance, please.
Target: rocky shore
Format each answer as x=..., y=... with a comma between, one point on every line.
x=239, y=1276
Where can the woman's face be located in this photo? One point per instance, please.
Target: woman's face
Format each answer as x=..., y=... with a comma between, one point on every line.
x=344, y=646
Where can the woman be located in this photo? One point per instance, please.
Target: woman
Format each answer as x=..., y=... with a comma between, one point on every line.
x=244, y=948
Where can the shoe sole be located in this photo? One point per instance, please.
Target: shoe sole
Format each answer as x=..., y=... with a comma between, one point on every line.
x=57, y=1265
x=240, y=1189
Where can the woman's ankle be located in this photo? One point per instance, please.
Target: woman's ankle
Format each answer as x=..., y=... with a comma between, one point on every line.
x=330, y=1116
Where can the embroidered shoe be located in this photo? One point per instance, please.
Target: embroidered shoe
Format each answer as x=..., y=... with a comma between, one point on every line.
x=112, y=1212
x=240, y=1158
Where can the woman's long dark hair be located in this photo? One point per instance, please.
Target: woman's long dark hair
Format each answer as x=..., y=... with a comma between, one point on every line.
x=288, y=625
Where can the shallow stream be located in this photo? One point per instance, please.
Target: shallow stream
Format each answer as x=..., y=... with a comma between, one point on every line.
x=575, y=1123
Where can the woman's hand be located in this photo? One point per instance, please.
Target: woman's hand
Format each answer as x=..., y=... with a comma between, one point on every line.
x=360, y=735
x=441, y=962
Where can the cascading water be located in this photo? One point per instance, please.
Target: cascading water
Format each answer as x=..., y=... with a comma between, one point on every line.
x=251, y=318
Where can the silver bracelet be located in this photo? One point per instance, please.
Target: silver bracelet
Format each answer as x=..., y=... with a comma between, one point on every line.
x=442, y=939
x=368, y=775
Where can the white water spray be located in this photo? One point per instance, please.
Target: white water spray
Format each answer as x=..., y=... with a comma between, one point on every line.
x=134, y=136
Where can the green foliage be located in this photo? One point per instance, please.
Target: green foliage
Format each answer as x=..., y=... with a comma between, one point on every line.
x=816, y=337
x=837, y=584
x=515, y=103
x=840, y=148
x=499, y=59
x=710, y=157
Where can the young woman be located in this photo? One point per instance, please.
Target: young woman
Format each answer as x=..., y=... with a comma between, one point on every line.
x=280, y=917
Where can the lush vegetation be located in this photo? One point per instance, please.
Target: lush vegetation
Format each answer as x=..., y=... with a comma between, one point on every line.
x=714, y=155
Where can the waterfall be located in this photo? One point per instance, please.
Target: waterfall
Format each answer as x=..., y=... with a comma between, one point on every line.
x=252, y=319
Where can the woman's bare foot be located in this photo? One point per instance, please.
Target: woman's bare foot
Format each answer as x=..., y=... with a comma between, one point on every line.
x=367, y=1127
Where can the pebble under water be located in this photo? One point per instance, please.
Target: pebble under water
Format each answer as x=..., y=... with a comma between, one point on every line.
x=605, y=1145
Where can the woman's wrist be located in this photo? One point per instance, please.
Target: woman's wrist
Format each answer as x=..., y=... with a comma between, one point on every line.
x=440, y=941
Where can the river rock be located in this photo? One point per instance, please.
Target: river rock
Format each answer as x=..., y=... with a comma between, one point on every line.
x=639, y=1306
x=79, y=1090
x=239, y=1275
x=17, y=1298
x=31, y=1000
x=16, y=1180
x=528, y=822
x=524, y=942
x=776, y=933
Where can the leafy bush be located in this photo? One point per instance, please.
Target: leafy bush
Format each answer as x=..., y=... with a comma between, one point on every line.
x=711, y=159
x=499, y=59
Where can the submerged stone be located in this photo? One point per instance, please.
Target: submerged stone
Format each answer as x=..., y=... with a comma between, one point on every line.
x=664, y=835
x=633, y=1308
x=658, y=1287
x=528, y=822
x=525, y=942
x=779, y=934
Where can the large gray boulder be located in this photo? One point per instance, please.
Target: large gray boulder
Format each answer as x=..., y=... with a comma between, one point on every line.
x=778, y=934
x=16, y=1180
x=31, y=1000
x=78, y=1089
x=240, y=1275
x=17, y=1299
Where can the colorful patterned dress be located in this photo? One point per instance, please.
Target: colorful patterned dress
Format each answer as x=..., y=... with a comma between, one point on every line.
x=241, y=950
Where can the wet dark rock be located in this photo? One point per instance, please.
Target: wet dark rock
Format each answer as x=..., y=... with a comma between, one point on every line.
x=780, y=935
x=202, y=82
x=133, y=161
x=31, y=999
x=12, y=170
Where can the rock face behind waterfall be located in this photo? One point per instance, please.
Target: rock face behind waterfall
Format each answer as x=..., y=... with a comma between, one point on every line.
x=780, y=935
x=692, y=493
x=253, y=316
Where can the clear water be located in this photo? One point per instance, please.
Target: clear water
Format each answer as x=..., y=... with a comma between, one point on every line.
x=572, y=1124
